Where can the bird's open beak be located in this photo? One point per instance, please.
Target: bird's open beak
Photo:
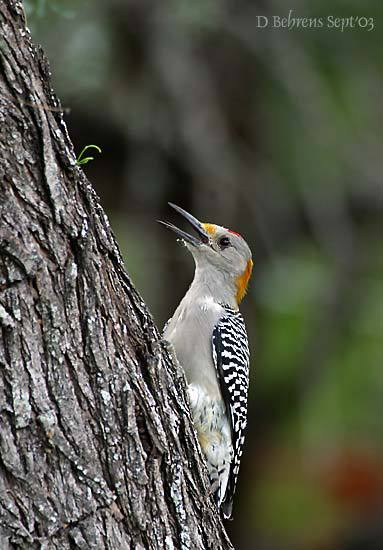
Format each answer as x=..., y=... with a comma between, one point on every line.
x=203, y=236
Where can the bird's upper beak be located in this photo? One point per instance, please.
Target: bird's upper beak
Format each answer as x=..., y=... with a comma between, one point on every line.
x=203, y=236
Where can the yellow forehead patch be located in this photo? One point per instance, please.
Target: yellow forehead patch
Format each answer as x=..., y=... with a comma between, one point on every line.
x=209, y=227
x=243, y=281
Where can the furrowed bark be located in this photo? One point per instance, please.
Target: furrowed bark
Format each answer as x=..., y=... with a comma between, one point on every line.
x=97, y=448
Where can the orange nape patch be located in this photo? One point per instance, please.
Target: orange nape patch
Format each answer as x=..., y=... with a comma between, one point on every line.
x=243, y=281
x=209, y=227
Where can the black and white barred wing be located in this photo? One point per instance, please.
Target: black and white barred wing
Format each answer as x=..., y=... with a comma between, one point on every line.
x=231, y=358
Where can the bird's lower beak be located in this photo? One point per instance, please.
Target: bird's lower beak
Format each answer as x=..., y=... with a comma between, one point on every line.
x=203, y=236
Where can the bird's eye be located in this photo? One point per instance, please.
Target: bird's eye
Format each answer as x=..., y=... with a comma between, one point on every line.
x=224, y=242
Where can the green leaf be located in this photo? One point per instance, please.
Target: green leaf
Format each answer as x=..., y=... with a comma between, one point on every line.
x=84, y=160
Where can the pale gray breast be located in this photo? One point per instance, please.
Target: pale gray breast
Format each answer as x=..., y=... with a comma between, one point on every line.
x=190, y=331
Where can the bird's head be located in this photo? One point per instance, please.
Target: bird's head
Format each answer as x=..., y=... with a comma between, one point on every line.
x=218, y=253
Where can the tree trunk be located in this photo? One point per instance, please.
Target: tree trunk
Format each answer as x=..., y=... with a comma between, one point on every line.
x=97, y=449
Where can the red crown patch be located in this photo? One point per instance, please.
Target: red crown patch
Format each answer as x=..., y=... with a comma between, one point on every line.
x=234, y=233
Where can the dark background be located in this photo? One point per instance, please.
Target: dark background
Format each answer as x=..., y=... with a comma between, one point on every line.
x=277, y=134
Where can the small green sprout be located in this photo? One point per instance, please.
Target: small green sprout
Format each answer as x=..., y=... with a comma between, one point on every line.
x=84, y=160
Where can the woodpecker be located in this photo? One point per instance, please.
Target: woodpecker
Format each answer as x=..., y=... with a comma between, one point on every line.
x=208, y=335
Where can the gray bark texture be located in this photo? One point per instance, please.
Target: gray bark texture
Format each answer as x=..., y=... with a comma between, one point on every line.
x=97, y=449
